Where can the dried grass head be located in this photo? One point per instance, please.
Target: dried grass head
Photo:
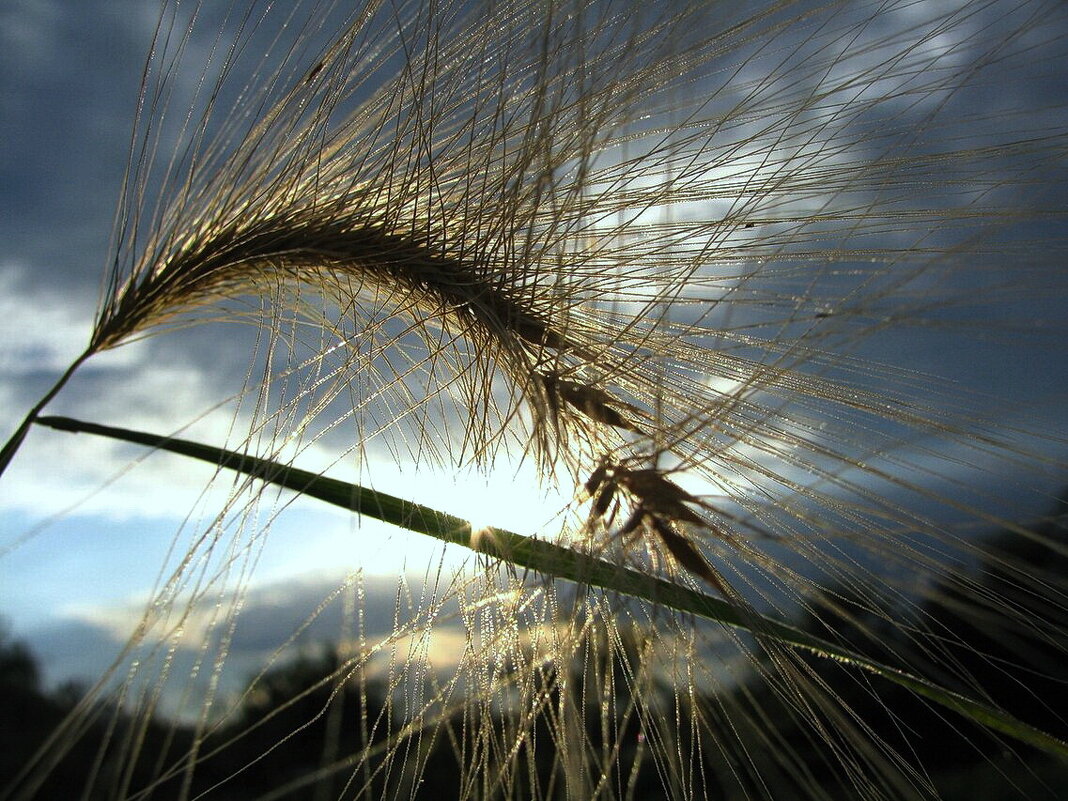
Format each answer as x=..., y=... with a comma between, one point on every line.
x=611, y=234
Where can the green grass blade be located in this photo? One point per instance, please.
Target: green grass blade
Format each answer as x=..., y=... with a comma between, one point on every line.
x=561, y=563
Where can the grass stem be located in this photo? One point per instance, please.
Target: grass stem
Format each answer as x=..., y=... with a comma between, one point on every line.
x=559, y=562
x=12, y=445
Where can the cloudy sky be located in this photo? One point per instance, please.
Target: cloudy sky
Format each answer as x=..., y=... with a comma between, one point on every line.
x=83, y=535
x=86, y=524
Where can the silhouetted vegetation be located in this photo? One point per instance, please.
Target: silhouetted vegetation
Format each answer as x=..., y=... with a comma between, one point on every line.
x=1007, y=651
x=296, y=732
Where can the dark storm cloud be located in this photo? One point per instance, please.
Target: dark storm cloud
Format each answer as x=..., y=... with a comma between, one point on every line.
x=70, y=73
x=69, y=81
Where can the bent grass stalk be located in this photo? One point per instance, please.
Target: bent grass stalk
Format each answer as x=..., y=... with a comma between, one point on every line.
x=557, y=562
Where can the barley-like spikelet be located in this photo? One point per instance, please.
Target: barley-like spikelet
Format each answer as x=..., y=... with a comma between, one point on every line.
x=457, y=193
x=675, y=253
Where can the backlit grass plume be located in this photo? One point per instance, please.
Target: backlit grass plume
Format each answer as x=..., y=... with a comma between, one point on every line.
x=699, y=263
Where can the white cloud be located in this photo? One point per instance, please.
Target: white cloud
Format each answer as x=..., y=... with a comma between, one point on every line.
x=41, y=326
